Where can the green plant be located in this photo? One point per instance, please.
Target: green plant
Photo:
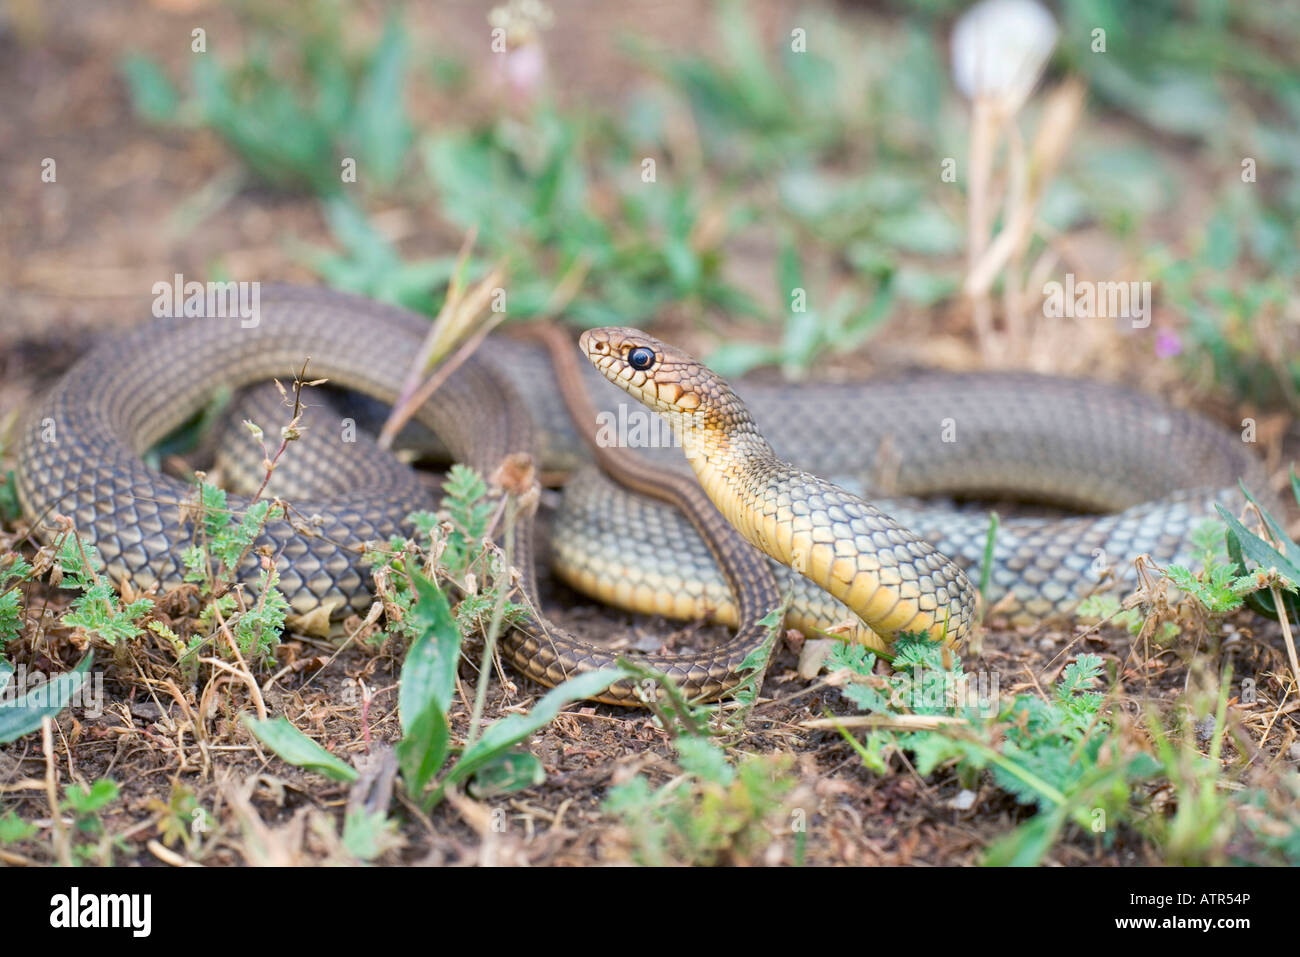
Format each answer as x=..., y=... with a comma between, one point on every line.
x=88, y=842
x=1057, y=752
x=222, y=546
x=9, y=507
x=424, y=702
x=97, y=609
x=1276, y=556
x=182, y=819
x=1218, y=586
x=24, y=715
x=756, y=111
x=453, y=546
x=625, y=245
x=809, y=332
x=300, y=105
x=85, y=804
x=456, y=549
x=1203, y=817
x=12, y=576
x=713, y=813
x=1234, y=291
x=370, y=265
x=14, y=829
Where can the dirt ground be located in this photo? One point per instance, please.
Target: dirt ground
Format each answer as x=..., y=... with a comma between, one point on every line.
x=77, y=259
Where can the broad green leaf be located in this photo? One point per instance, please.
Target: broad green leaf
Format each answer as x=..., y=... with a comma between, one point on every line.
x=1258, y=550
x=429, y=672
x=24, y=716
x=508, y=772
x=423, y=748
x=298, y=749
x=382, y=130
x=512, y=729
x=737, y=358
x=152, y=93
x=1028, y=844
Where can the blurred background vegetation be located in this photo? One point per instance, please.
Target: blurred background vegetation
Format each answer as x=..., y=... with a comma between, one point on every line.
x=774, y=168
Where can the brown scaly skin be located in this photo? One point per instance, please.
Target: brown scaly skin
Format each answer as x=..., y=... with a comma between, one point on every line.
x=1087, y=445
x=892, y=579
x=79, y=457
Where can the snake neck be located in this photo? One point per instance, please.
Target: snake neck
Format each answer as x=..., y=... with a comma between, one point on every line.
x=893, y=580
x=737, y=447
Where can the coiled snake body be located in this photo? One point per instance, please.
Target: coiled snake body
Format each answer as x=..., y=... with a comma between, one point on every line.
x=1085, y=445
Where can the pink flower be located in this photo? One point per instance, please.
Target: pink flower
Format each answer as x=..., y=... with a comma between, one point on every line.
x=1168, y=344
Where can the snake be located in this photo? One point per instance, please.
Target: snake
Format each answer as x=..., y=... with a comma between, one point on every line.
x=1145, y=473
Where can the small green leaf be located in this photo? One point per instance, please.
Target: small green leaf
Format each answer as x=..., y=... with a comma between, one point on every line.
x=423, y=748
x=507, y=773
x=298, y=749
x=367, y=834
x=13, y=828
x=152, y=94
x=24, y=716
x=98, y=796
x=1258, y=550
x=512, y=729
x=429, y=672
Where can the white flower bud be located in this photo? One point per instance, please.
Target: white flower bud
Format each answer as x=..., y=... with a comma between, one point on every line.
x=999, y=48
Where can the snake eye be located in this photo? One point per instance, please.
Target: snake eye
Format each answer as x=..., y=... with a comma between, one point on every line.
x=641, y=358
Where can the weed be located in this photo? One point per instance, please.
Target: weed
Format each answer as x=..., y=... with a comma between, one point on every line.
x=91, y=842
x=1057, y=752
x=371, y=266
x=14, y=574
x=182, y=820
x=453, y=546
x=1234, y=290
x=85, y=804
x=97, y=610
x=300, y=108
x=222, y=546
x=713, y=813
x=418, y=608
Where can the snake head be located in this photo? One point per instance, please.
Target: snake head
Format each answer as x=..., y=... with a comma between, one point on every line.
x=685, y=392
